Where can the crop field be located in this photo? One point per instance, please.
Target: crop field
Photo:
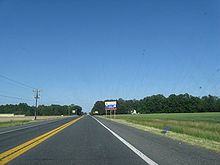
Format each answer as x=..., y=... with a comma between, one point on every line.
x=202, y=125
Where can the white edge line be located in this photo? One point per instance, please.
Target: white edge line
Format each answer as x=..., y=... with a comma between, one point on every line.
x=135, y=150
x=30, y=126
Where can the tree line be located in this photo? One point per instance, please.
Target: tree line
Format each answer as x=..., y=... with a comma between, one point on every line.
x=182, y=103
x=42, y=110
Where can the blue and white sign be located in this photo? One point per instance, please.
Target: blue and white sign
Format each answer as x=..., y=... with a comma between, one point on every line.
x=110, y=105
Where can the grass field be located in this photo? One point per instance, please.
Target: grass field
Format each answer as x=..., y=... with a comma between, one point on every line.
x=213, y=117
x=15, y=121
x=205, y=126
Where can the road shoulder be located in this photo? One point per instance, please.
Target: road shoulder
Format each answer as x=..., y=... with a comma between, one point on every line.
x=161, y=148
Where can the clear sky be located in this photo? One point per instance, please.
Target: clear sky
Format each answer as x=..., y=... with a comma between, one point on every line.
x=79, y=51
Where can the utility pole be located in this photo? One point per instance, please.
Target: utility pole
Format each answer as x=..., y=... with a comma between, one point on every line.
x=37, y=96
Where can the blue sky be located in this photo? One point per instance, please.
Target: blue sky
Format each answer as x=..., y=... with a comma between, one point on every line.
x=79, y=51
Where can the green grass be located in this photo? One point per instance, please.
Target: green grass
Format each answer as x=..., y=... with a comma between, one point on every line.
x=198, y=129
x=213, y=117
x=13, y=123
x=202, y=125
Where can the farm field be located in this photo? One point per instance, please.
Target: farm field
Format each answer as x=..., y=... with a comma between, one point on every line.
x=212, y=117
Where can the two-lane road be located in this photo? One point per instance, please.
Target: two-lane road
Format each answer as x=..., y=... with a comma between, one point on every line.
x=89, y=141
x=11, y=137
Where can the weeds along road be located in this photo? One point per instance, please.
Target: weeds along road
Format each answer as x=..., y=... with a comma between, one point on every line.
x=94, y=141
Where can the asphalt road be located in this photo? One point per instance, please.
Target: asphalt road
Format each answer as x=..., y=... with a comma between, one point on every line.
x=12, y=136
x=89, y=142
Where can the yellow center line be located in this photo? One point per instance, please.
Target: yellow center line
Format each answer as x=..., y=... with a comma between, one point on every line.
x=16, y=151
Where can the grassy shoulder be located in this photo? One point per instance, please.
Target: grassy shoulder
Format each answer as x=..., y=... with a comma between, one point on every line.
x=199, y=129
x=13, y=121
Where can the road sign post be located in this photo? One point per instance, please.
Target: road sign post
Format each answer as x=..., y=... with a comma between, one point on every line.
x=110, y=106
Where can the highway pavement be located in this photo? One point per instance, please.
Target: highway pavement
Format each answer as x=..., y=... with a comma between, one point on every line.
x=11, y=137
x=95, y=141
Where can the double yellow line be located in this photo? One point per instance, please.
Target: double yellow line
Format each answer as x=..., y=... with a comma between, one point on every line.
x=14, y=152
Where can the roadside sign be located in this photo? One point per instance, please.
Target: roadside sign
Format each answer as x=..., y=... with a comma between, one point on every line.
x=110, y=105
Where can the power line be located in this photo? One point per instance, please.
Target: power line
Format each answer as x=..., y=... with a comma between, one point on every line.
x=13, y=97
x=17, y=82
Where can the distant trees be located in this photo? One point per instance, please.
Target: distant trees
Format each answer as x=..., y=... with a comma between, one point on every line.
x=77, y=108
x=42, y=110
x=100, y=107
x=17, y=109
x=183, y=103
